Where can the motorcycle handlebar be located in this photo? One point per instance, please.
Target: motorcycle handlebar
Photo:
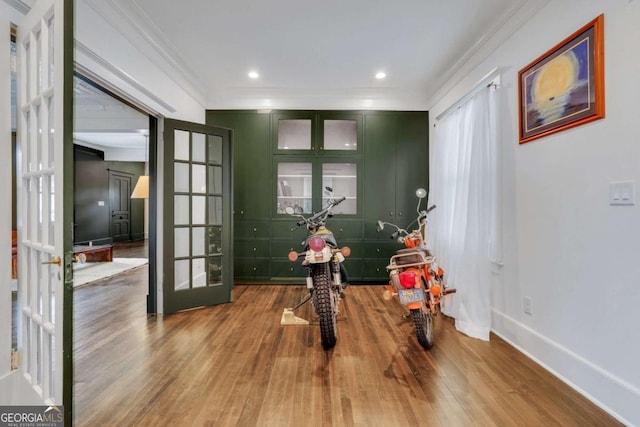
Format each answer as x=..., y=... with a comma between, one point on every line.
x=431, y=208
x=322, y=212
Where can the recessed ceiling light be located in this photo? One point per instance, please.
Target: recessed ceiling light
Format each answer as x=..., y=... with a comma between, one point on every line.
x=253, y=74
x=380, y=75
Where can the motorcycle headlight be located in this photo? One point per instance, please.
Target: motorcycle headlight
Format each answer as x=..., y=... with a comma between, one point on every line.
x=317, y=244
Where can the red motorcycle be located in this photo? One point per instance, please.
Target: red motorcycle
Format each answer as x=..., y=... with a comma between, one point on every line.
x=414, y=276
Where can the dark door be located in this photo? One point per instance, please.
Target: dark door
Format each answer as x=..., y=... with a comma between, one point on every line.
x=120, y=202
x=198, y=222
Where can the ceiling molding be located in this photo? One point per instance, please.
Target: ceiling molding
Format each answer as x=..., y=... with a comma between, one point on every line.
x=129, y=19
x=493, y=38
x=19, y=5
x=119, y=74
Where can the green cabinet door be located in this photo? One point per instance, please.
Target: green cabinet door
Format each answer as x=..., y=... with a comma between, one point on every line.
x=252, y=170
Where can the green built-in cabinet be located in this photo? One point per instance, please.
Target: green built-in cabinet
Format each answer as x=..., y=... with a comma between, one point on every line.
x=376, y=159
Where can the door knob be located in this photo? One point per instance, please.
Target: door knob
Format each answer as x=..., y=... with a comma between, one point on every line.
x=56, y=261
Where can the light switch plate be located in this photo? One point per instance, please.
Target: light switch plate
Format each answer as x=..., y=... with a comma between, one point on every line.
x=622, y=193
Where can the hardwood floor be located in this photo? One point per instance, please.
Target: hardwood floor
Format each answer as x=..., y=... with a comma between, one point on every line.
x=234, y=365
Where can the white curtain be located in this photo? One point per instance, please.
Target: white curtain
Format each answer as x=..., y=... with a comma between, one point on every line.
x=463, y=230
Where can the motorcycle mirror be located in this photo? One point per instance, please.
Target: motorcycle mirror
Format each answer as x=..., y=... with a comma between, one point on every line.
x=421, y=193
x=380, y=226
x=289, y=210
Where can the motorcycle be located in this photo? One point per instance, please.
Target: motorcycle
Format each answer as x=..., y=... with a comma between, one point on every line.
x=326, y=275
x=414, y=275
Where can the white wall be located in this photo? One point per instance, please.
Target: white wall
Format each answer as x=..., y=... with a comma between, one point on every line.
x=564, y=245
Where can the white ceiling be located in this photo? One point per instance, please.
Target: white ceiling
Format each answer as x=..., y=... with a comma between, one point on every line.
x=320, y=55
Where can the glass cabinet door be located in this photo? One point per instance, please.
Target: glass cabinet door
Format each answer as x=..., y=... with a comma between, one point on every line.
x=343, y=180
x=340, y=135
x=294, y=134
x=294, y=187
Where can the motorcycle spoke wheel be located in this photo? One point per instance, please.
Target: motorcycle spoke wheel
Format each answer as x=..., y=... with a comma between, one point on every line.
x=423, y=324
x=325, y=305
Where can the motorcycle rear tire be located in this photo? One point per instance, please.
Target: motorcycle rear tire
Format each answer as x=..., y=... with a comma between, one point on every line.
x=324, y=304
x=423, y=324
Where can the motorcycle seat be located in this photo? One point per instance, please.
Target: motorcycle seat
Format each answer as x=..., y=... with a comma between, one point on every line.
x=412, y=256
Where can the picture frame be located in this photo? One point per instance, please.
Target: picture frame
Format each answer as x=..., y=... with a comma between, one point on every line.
x=564, y=87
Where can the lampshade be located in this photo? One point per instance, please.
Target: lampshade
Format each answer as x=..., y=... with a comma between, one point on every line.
x=141, y=190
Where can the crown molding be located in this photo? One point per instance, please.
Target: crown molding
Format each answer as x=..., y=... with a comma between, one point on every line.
x=119, y=74
x=129, y=19
x=19, y=5
x=493, y=38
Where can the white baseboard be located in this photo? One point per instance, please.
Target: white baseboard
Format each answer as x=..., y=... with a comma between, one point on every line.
x=614, y=395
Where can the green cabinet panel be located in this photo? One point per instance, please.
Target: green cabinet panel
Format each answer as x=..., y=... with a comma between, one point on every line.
x=396, y=163
x=412, y=163
x=250, y=150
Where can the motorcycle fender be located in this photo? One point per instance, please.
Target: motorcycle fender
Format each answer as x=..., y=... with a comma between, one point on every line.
x=313, y=257
x=414, y=305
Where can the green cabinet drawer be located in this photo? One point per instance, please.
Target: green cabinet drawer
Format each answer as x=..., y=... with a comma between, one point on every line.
x=281, y=248
x=371, y=231
x=345, y=228
x=288, y=230
x=251, y=268
x=375, y=269
x=252, y=248
x=252, y=229
x=379, y=249
x=288, y=269
x=354, y=269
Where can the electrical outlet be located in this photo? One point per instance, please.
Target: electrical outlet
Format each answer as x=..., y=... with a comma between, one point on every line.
x=526, y=305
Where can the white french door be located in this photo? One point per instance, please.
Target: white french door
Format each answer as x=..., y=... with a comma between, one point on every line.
x=44, y=249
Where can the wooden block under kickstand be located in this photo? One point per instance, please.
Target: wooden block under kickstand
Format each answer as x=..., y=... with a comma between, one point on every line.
x=288, y=318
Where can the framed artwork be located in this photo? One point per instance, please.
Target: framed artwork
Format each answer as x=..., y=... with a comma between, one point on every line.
x=564, y=87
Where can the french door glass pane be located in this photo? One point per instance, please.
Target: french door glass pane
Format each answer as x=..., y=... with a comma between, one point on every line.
x=199, y=209
x=215, y=271
x=294, y=187
x=215, y=149
x=342, y=178
x=294, y=134
x=340, y=135
x=198, y=241
x=199, y=179
x=181, y=177
x=181, y=210
x=215, y=179
x=215, y=210
x=181, y=145
x=199, y=273
x=181, y=242
x=181, y=274
x=198, y=154
x=215, y=240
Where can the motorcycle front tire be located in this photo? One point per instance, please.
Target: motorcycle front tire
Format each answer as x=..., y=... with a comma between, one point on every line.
x=324, y=304
x=423, y=324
